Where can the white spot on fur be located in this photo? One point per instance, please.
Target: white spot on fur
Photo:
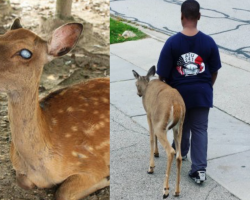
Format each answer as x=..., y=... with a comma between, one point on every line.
x=102, y=145
x=74, y=128
x=97, y=127
x=79, y=155
x=102, y=116
x=90, y=148
x=102, y=124
x=60, y=111
x=74, y=153
x=105, y=100
x=54, y=121
x=171, y=117
x=82, y=155
x=68, y=135
x=70, y=109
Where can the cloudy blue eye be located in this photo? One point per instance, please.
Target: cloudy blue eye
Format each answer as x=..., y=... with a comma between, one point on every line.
x=26, y=54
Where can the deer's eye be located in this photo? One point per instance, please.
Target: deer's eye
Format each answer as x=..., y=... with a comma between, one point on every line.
x=25, y=53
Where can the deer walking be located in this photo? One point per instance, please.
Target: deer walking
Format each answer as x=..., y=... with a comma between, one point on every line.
x=63, y=138
x=165, y=110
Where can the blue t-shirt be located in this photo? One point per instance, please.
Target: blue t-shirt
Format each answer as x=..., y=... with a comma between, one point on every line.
x=186, y=63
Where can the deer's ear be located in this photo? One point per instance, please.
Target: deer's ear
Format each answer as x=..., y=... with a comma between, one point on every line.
x=64, y=39
x=151, y=72
x=16, y=24
x=136, y=75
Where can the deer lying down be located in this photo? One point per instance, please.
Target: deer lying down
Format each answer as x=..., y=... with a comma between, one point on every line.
x=64, y=138
x=165, y=109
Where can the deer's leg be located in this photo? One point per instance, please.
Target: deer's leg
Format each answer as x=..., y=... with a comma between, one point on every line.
x=151, y=163
x=177, y=138
x=162, y=137
x=156, y=153
x=20, y=167
x=79, y=186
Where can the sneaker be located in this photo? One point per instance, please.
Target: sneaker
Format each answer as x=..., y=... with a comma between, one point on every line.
x=198, y=176
x=184, y=157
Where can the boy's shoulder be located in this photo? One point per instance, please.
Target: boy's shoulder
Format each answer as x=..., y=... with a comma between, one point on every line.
x=203, y=37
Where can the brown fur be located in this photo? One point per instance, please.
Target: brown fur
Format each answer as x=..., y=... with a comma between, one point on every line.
x=165, y=110
x=64, y=138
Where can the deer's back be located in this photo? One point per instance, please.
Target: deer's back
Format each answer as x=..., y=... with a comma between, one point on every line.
x=163, y=102
x=78, y=123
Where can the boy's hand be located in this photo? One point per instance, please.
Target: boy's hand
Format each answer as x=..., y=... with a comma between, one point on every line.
x=162, y=79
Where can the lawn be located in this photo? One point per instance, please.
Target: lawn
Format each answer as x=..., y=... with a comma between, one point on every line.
x=117, y=28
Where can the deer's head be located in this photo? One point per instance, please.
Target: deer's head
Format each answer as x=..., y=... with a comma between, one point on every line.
x=142, y=81
x=23, y=54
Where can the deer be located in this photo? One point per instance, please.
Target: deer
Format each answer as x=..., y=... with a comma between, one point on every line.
x=62, y=139
x=165, y=110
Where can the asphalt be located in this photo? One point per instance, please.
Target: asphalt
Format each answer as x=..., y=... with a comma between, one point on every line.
x=229, y=130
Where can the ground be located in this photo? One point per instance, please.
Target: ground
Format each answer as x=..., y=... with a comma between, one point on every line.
x=90, y=59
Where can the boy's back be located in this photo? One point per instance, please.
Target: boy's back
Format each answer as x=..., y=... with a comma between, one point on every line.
x=187, y=63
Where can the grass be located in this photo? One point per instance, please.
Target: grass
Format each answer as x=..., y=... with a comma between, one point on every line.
x=117, y=28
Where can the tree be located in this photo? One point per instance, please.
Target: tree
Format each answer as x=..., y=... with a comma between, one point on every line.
x=63, y=9
x=5, y=9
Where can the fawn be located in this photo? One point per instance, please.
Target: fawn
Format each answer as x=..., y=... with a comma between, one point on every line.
x=63, y=138
x=165, y=110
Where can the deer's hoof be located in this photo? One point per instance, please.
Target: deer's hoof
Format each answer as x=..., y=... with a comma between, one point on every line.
x=156, y=155
x=151, y=170
x=176, y=194
x=165, y=193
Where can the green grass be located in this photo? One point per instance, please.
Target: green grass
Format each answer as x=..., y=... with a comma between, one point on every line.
x=117, y=28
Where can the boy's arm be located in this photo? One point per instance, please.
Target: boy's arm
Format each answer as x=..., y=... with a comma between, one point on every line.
x=165, y=62
x=214, y=62
x=214, y=76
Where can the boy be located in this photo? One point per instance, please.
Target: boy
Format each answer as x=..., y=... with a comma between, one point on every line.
x=189, y=62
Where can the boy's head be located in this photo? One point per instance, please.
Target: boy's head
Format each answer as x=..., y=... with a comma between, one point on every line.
x=190, y=10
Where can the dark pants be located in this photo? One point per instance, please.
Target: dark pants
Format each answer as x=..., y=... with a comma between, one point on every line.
x=196, y=122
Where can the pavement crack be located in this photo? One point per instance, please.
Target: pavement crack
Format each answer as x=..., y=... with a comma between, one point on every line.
x=210, y=191
x=132, y=79
x=229, y=155
x=120, y=124
x=126, y=61
x=124, y=147
x=231, y=115
x=138, y=115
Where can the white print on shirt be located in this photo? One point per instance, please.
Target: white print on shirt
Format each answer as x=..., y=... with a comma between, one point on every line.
x=190, y=64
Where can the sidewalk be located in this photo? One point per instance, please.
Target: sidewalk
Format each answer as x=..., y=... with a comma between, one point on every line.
x=229, y=149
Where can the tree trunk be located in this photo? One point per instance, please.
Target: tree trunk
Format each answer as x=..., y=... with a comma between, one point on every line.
x=63, y=9
x=5, y=9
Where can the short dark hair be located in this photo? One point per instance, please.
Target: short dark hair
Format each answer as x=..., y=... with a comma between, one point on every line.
x=190, y=9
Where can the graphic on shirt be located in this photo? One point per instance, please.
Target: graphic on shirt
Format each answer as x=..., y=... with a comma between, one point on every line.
x=190, y=64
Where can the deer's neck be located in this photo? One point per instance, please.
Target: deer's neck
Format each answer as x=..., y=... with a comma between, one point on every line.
x=26, y=121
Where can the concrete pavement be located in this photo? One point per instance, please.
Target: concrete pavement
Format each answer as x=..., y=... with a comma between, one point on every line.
x=229, y=133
